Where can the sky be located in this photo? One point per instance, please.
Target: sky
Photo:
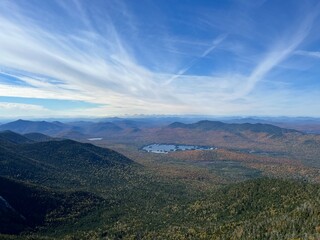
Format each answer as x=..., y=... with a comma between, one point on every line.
x=73, y=58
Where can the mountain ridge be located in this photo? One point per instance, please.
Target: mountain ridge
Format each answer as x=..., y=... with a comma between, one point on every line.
x=207, y=125
x=50, y=160
x=44, y=127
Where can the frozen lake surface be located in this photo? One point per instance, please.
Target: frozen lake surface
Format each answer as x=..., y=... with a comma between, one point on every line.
x=165, y=148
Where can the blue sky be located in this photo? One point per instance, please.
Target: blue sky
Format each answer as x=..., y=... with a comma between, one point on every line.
x=110, y=58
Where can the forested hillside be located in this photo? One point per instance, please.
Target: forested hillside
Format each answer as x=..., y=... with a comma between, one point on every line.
x=63, y=189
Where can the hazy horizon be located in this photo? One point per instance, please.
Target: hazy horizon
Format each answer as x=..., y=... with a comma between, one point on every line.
x=75, y=59
x=170, y=118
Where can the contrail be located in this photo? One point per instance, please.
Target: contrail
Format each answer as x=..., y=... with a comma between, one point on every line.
x=194, y=61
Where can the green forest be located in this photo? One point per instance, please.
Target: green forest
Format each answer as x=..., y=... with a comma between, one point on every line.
x=63, y=189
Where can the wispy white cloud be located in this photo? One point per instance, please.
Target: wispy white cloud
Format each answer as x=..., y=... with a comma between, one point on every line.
x=20, y=106
x=99, y=62
x=282, y=49
x=42, y=53
x=308, y=53
x=14, y=110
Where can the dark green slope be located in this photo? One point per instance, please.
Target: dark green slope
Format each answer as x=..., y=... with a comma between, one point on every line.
x=56, y=163
x=15, y=164
x=72, y=154
x=38, y=137
x=35, y=206
x=259, y=209
x=12, y=137
x=11, y=222
x=47, y=183
x=263, y=209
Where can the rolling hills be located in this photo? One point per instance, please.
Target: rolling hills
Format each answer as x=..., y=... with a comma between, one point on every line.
x=63, y=189
x=129, y=129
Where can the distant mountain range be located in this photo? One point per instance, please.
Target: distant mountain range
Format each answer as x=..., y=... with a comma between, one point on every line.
x=76, y=130
x=234, y=127
x=23, y=126
x=84, y=130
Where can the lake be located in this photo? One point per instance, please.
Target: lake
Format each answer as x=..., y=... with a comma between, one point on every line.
x=94, y=139
x=166, y=148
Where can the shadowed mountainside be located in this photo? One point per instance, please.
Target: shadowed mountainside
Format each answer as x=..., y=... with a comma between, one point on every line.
x=29, y=205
